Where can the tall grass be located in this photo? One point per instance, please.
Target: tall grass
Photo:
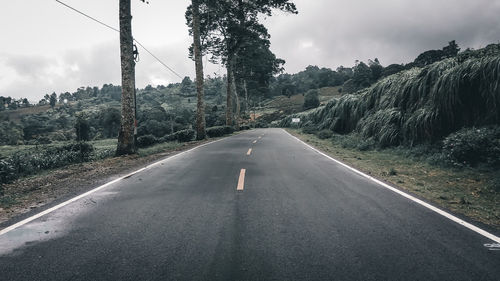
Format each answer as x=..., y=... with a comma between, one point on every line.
x=420, y=105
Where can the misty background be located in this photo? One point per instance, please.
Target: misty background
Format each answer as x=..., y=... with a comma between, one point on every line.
x=48, y=48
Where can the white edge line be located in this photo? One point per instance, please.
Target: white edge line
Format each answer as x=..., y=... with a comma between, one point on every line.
x=50, y=210
x=408, y=196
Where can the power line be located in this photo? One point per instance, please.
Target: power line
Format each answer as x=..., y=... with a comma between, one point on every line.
x=112, y=28
x=85, y=15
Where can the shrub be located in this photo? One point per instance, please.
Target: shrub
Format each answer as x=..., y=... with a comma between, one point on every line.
x=82, y=129
x=28, y=163
x=472, y=146
x=167, y=138
x=311, y=99
x=353, y=141
x=244, y=128
x=219, y=131
x=214, y=132
x=261, y=124
x=309, y=129
x=43, y=140
x=185, y=135
x=324, y=134
x=146, y=140
x=228, y=129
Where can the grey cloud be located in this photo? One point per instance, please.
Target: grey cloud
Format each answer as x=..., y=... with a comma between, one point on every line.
x=394, y=31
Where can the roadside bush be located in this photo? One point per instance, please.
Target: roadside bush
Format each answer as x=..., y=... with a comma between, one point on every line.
x=309, y=129
x=219, y=131
x=82, y=129
x=214, y=132
x=311, y=99
x=261, y=124
x=147, y=140
x=167, y=138
x=30, y=162
x=473, y=146
x=228, y=130
x=244, y=128
x=324, y=134
x=185, y=135
x=354, y=141
x=43, y=140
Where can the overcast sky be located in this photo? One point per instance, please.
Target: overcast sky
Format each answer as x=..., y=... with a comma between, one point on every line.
x=46, y=47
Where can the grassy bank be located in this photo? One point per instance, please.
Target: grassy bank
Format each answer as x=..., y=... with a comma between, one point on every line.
x=473, y=192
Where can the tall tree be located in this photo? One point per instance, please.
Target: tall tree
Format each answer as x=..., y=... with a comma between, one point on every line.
x=53, y=100
x=226, y=25
x=200, y=106
x=126, y=143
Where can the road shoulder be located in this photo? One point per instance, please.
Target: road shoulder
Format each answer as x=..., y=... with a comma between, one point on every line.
x=465, y=193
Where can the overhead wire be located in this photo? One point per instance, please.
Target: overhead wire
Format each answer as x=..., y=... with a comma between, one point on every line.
x=115, y=29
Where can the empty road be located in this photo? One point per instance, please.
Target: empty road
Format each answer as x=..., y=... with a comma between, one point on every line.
x=260, y=205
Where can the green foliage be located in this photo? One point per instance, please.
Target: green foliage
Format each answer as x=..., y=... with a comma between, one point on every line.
x=353, y=141
x=362, y=75
x=29, y=162
x=311, y=99
x=185, y=135
x=312, y=77
x=110, y=122
x=82, y=129
x=214, y=132
x=10, y=133
x=432, y=56
x=219, y=131
x=392, y=69
x=324, y=134
x=53, y=100
x=187, y=86
x=420, y=105
x=471, y=146
x=310, y=129
x=35, y=125
x=261, y=124
x=147, y=140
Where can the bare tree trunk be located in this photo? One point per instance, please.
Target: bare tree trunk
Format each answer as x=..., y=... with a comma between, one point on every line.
x=237, y=100
x=229, y=100
x=246, y=94
x=126, y=143
x=200, y=108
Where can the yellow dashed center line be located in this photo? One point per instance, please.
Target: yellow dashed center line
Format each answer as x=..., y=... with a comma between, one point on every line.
x=249, y=151
x=241, y=180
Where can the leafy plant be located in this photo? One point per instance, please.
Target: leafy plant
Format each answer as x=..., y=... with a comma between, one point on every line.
x=324, y=134
x=311, y=99
x=185, y=135
x=471, y=146
x=147, y=140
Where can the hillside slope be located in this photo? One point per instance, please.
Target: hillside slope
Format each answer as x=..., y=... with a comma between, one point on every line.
x=420, y=105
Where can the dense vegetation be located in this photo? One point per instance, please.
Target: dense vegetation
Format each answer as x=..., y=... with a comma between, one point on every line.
x=423, y=105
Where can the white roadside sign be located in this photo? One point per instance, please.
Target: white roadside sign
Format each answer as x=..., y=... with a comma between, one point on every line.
x=295, y=120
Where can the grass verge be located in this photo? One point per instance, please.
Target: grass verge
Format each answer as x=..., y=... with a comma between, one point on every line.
x=473, y=192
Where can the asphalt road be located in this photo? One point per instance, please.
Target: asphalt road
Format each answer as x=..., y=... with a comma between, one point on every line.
x=300, y=216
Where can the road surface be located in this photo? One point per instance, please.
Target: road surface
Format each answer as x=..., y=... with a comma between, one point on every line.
x=260, y=205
